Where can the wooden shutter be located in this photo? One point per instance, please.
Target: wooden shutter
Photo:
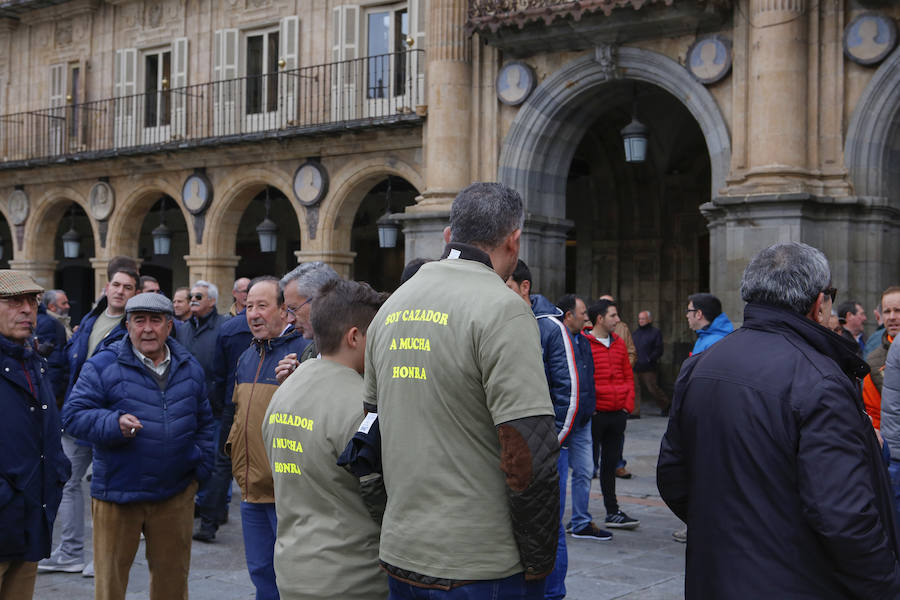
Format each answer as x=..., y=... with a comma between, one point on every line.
x=289, y=84
x=417, y=32
x=56, y=119
x=125, y=86
x=345, y=75
x=179, y=82
x=225, y=72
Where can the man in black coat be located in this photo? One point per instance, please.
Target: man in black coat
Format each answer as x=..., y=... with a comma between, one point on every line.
x=649, y=343
x=769, y=456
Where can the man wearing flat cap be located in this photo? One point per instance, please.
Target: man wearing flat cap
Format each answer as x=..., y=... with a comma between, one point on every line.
x=142, y=403
x=33, y=468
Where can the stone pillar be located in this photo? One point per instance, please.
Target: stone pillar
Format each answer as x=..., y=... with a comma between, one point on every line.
x=340, y=261
x=215, y=269
x=778, y=73
x=43, y=271
x=100, y=278
x=448, y=76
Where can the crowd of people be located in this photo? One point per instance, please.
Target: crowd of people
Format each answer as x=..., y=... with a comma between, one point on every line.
x=419, y=444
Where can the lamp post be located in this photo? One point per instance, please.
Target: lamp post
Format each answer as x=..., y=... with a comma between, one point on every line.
x=267, y=230
x=162, y=235
x=388, y=227
x=71, y=240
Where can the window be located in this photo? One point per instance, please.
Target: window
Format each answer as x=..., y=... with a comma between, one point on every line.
x=157, y=76
x=262, y=72
x=386, y=32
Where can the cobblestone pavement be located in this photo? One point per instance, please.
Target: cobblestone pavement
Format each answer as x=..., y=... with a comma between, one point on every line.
x=644, y=564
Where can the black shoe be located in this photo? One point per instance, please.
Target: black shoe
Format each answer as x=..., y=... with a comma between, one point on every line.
x=619, y=520
x=592, y=532
x=634, y=416
x=205, y=531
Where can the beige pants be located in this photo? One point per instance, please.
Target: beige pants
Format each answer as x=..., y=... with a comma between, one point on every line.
x=167, y=528
x=17, y=580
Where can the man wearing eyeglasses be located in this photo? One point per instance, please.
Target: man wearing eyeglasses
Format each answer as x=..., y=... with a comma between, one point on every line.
x=704, y=315
x=199, y=333
x=33, y=467
x=769, y=457
x=239, y=294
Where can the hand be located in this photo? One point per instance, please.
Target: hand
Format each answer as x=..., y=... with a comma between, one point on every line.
x=129, y=425
x=285, y=367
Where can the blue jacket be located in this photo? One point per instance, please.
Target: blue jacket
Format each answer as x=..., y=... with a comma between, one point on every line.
x=768, y=441
x=712, y=333
x=50, y=336
x=568, y=367
x=234, y=338
x=176, y=443
x=649, y=344
x=33, y=468
x=77, y=348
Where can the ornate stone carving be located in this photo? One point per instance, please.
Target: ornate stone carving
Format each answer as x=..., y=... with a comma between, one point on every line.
x=63, y=34
x=153, y=13
x=607, y=56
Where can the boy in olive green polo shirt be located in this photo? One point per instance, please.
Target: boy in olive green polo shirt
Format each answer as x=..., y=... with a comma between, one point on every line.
x=327, y=542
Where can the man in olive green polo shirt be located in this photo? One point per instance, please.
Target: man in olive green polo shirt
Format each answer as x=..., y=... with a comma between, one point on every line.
x=469, y=450
x=327, y=542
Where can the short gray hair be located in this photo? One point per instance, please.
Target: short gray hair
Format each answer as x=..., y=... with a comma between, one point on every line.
x=309, y=278
x=484, y=214
x=50, y=296
x=211, y=288
x=789, y=275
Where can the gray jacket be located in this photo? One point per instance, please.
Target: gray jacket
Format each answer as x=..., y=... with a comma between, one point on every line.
x=890, y=401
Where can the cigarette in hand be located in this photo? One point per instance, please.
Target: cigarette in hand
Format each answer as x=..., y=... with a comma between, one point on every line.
x=132, y=431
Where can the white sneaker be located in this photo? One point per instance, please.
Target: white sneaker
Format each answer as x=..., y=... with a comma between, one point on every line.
x=60, y=565
x=88, y=570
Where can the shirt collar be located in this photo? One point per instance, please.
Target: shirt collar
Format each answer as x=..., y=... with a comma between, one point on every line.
x=148, y=362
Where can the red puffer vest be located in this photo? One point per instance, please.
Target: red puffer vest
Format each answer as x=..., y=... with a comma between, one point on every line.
x=613, y=379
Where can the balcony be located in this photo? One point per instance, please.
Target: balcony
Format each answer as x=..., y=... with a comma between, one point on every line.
x=374, y=91
x=526, y=27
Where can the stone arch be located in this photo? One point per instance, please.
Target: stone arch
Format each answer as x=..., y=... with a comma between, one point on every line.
x=43, y=223
x=232, y=195
x=125, y=224
x=873, y=135
x=538, y=149
x=350, y=185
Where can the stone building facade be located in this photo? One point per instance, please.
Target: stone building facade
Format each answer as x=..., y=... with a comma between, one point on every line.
x=767, y=120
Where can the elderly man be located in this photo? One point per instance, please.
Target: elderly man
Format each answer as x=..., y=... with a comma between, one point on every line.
x=239, y=295
x=255, y=383
x=200, y=332
x=33, y=467
x=300, y=287
x=50, y=337
x=56, y=303
x=649, y=343
x=465, y=413
x=769, y=456
x=142, y=403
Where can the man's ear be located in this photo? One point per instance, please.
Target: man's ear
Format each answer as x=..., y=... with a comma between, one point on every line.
x=815, y=313
x=525, y=287
x=353, y=338
x=446, y=235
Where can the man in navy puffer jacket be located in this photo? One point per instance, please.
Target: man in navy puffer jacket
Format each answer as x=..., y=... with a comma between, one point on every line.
x=142, y=403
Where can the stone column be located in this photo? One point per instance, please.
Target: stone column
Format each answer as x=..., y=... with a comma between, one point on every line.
x=215, y=269
x=340, y=261
x=778, y=97
x=43, y=271
x=448, y=77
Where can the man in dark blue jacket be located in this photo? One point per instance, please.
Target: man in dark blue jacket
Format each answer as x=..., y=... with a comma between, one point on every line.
x=770, y=457
x=649, y=343
x=567, y=366
x=33, y=467
x=50, y=340
x=142, y=403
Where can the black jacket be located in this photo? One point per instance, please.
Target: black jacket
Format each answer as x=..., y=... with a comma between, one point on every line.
x=649, y=344
x=771, y=461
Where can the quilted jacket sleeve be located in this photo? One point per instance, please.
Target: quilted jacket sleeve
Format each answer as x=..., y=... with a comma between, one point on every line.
x=528, y=453
x=205, y=434
x=85, y=415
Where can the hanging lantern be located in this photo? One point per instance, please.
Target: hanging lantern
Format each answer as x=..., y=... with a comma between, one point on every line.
x=71, y=243
x=162, y=235
x=634, y=135
x=267, y=231
x=388, y=227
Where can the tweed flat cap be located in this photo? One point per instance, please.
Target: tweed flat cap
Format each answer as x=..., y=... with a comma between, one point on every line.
x=16, y=283
x=153, y=303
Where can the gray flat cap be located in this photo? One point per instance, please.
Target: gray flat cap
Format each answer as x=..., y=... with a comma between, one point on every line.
x=152, y=303
x=17, y=283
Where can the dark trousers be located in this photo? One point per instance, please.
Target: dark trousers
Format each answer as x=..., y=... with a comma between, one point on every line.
x=213, y=504
x=650, y=381
x=608, y=433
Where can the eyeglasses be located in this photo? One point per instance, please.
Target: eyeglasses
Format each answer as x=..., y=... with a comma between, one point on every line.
x=196, y=296
x=690, y=310
x=16, y=302
x=293, y=310
x=830, y=291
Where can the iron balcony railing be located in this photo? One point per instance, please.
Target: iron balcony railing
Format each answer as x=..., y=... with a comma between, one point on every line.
x=355, y=93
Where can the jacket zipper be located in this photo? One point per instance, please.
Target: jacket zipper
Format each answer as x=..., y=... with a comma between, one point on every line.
x=262, y=358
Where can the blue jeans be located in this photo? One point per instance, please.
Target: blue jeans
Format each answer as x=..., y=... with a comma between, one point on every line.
x=70, y=517
x=259, y=524
x=581, y=461
x=513, y=587
x=555, y=584
x=894, y=472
